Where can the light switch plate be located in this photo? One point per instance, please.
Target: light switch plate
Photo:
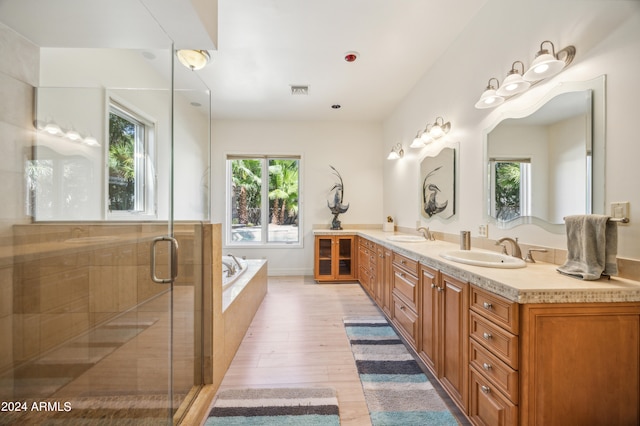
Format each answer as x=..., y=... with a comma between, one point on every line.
x=620, y=209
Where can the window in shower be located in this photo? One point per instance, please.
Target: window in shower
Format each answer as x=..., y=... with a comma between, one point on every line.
x=130, y=160
x=263, y=200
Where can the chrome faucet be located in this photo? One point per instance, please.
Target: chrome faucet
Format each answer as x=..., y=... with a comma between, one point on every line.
x=236, y=260
x=515, y=248
x=428, y=235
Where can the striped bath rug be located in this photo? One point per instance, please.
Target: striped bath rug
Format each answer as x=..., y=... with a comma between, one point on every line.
x=276, y=406
x=395, y=388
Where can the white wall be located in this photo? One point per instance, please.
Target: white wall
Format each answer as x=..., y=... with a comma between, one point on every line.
x=606, y=35
x=352, y=148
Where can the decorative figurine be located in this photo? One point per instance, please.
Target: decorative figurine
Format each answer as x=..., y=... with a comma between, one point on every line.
x=337, y=206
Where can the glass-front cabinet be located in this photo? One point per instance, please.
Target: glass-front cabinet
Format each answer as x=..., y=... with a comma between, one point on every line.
x=334, y=258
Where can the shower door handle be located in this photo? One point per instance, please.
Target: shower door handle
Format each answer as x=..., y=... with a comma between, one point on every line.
x=174, y=260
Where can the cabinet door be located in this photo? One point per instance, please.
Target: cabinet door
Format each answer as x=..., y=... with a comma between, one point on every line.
x=454, y=338
x=386, y=282
x=429, y=290
x=324, y=258
x=488, y=406
x=580, y=364
x=344, y=268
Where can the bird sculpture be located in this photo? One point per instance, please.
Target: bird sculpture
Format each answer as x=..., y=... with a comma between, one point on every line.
x=430, y=205
x=338, y=207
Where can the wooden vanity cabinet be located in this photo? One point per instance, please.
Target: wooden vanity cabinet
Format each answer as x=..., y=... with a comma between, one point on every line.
x=334, y=258
x=367, y=265
x=404, y=307
x=580, y=364
x=444, y=330
x=493, y=359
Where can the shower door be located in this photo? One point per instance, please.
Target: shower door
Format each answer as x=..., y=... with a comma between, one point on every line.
x=88, y=237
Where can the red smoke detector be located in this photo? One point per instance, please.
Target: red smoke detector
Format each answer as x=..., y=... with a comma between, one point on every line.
x=351, y=56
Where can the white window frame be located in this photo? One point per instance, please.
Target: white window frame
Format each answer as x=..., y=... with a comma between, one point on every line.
x=145, y=157
x=264, y=211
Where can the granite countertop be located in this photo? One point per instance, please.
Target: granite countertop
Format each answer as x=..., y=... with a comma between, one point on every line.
x=536, y=283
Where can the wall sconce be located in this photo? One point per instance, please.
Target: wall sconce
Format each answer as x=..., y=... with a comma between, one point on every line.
x=548, y=64
x=396, y=152
x=430, y=133
x=513, y=82
x=543, y=66
x=490, y=98
x=193, y=59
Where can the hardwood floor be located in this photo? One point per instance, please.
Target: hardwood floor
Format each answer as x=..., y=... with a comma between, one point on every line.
x=297, y=339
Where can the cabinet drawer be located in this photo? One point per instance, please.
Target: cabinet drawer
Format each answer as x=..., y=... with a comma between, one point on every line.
x=500, y=342
x=405, y=285
x=405, y=263
x=406, y=320
x=488, y=406
x=497, y=309
x=493, y=369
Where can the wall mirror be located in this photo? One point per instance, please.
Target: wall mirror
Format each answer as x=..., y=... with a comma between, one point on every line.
x=545, y=162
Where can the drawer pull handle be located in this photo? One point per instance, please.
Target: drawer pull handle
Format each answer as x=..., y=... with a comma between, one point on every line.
x=486, y=366
x=487, y=305
x=433, y=285
x=487, y=336
x=403, y=262
x=485, y=389
x=402, y=274
x=402, y=308
x=440, y=289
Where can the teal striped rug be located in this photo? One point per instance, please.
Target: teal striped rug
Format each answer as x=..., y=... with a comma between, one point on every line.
x=275, y=407
x=395, y=388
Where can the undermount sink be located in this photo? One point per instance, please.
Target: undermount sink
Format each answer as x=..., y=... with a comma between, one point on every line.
x=406, y=238
x=487, y=259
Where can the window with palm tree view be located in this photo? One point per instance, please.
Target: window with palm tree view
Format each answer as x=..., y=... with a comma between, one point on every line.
x=511, y=188
x=263, y=199
x=129, y=163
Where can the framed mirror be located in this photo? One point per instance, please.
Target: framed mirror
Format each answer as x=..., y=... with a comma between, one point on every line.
x=546, y=162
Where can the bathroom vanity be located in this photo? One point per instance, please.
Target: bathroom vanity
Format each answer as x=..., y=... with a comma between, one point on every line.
x=522, y=346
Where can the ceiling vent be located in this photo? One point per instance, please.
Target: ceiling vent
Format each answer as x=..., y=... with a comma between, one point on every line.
x=299, y=90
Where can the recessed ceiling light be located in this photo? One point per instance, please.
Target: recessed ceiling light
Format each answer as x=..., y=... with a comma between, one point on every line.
x=336, y=106
x=351, y=56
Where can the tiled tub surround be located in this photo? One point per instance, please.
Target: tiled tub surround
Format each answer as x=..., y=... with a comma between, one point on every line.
x=536, y=283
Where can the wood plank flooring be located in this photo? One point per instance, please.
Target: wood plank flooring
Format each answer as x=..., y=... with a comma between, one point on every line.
x=297, y=338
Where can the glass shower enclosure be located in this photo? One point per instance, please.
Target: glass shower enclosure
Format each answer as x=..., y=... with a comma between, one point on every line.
x=107, y=179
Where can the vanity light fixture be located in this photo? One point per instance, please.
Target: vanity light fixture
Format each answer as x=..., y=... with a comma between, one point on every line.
x=396, y=152
x=430, y=133
x=513, y=83
x=426, y=135
x=417, y=141
x=543, y=66
x=548, y=64
x=53, y=129
x=490, y=98
x=193, y=59
x=439, y=129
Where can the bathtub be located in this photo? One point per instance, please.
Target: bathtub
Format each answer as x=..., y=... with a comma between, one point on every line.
x=232, y=268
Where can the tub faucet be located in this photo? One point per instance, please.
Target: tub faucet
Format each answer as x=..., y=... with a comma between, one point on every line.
x=515, y=247
x=428, y=235
x=236, y=260
x=231, y=269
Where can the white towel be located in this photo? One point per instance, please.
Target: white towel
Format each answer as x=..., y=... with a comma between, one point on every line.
x=592, y=247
